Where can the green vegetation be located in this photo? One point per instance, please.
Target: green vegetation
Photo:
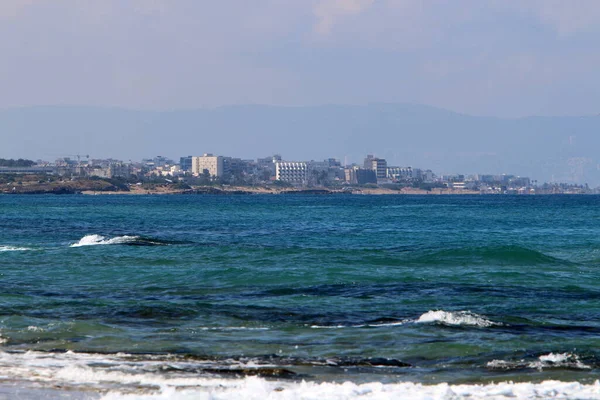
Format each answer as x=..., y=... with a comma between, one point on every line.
x=20, y=163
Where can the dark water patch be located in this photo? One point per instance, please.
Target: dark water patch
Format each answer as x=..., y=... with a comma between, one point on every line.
x=410, y=289
x=263, y=372
x=488, y=255
x=156, y=312
x=367, y=362
x=149, y=241
x=564, y=331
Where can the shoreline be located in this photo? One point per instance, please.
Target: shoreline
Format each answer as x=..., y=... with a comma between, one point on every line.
x=251, y=387
x=258, y=190
x=239, y=190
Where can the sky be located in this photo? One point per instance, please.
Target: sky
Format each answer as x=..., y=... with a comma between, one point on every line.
x=500, y=58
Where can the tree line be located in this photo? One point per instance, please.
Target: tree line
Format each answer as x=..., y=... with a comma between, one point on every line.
x=16, y=163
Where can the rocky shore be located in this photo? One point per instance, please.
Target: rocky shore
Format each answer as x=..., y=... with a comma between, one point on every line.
x=100, y=186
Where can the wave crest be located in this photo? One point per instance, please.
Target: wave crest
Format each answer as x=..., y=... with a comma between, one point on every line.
x=486, y=255
x=126, y=376
x=13, y=248
x=95, y=240
x=546, y=361
x=456, y=318
x=128, y=240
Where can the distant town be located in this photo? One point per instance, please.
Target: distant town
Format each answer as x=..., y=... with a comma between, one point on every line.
x=210, y=173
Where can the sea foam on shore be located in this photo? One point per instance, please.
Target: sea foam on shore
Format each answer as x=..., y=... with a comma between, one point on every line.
x=124, y=376
x=251, y=388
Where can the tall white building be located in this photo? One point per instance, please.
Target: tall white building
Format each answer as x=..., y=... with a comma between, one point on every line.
x=295, y=173
x=208, y=162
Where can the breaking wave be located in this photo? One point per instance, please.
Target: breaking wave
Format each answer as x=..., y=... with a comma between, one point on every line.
x=372, y=325
x=95, y=240
x=451, y=318
x=125, y=376
x=456, y=318
x=546, y=361
x=12, y=248
x=258, y=388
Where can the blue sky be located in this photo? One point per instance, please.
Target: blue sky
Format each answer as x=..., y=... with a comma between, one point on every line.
x=483, y=57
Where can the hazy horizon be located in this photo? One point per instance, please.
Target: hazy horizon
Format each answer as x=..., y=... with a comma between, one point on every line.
x=233, y=105
x=544, y=148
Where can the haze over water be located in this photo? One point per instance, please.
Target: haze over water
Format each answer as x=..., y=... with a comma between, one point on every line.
x=140, y=295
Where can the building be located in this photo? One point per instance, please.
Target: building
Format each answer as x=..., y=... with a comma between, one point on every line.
x=266, y=166
x=112, y=169
x=233, y=166
x=295, y=173
x=28, y=170
x=185, y=163
x=379, y=165
x=400, y=173
x=360, y=176
x=213, y=165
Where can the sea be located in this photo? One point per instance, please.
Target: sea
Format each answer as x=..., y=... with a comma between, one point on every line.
x=299, y=297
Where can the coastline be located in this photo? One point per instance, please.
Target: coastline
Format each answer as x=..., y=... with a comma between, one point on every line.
x=104, y=188
x=146, y=386
x=236, y=190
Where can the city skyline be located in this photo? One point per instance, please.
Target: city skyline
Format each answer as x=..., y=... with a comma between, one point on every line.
x=549, y=148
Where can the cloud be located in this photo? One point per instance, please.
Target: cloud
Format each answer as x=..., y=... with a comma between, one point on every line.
x=328, y=12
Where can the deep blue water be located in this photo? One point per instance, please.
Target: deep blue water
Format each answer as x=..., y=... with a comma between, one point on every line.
x=420, y=288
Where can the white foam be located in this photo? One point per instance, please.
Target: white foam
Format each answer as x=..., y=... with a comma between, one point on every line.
x=12, y=248
x=455, y=318
x=503, y=364
x=546, y=361
x=33, y=328
x=381, y=325
x=95, y=240
x=232, y=328
x=559, y=360
x=123, y=376
x=384, y=324
x=328, y=326
x=253, y=388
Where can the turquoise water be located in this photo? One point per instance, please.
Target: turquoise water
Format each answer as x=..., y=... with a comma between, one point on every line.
x=424, y=289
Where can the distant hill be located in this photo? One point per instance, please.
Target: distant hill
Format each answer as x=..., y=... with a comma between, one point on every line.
x=565, y=148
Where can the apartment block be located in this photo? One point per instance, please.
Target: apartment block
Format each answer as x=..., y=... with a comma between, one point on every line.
x=295, y=173
x=208, y=162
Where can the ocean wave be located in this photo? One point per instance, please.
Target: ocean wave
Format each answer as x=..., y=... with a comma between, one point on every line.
x=257, y=388
x=95, y=240
x=124, y=376
x=453, y=318
x=456, y=318
x=486, y=255
x=13, y=248
x=546, y=361
x=371, y=325
x=232, y=328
